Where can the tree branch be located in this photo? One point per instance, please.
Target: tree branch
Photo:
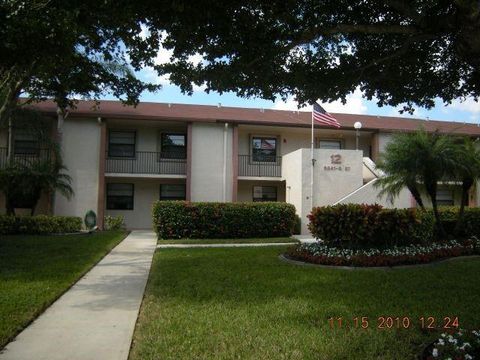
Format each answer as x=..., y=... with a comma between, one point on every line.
x=314, y=33
x=402, y=8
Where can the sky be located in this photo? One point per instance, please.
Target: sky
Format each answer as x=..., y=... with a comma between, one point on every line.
x=466, y=111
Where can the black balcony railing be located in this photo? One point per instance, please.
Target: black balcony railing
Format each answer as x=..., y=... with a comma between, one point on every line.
x=146, y=162
x=269, y=166
x=24, y=159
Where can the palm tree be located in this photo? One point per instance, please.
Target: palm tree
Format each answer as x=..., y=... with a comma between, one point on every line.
x=468, y=171
x=401, y=168
x=47, y=176
x=24, y=179
x=419, y=160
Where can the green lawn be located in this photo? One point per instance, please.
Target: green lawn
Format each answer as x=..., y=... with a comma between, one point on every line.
x=36, y=270
x=245, y=303
x=229, y=241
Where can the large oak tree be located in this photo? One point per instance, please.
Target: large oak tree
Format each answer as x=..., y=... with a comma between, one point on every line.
x=60, y=49
x=399, y=52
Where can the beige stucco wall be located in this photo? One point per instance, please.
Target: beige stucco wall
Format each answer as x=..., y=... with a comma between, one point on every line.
x=296, y=184
x=245, y=189
x=207, y=163
x=368, y=194
x=291, y=139
x=80, y=149
x=146, y=192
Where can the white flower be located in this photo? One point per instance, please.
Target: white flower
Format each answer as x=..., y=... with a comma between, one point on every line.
x=435, y=353
x=453, y=341
x=441, y=342
x=468, y=357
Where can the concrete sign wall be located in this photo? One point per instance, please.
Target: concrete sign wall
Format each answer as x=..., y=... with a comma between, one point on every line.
x=337, y=173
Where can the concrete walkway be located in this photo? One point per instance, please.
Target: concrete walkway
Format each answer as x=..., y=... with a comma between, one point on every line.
x=185, y=246
x=305, y=239
x=95, y=319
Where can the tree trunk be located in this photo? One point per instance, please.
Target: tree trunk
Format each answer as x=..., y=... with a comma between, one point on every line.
x=432, y=193
x=10, y=208
x=466, y=186
x=416, y=195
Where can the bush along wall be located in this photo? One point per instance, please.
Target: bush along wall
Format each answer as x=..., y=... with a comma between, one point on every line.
x=39, y=224
x=360, y=226
x=181, y=219
x=370, y=236
x=471, y=221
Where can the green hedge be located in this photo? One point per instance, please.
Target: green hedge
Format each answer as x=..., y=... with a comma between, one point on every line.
x=39, y=224
x=357, y=226
x=181, y=219
x=471, y=222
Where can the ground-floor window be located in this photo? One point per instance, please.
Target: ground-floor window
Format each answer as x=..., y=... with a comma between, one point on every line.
x=172, y=192
x=445, y=197
x=120, y=196
x=264, y=193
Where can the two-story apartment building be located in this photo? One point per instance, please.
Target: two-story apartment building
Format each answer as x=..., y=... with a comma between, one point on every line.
x=121, y=159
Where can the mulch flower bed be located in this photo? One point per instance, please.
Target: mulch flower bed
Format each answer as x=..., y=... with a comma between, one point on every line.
x=319, y=253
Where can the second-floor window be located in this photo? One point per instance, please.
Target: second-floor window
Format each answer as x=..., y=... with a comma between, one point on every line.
x=25, y=143
x=173, y=146
x=264, y=149
x=121, y=143
x=330, y=144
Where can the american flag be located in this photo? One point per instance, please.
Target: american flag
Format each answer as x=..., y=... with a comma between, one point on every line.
x=322, y=116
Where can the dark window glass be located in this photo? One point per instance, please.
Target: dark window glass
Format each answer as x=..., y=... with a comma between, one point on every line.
x=444, y=197
x=120, y=196
x=172, y=192
x=121, y=144
x=25, y=143
x=173, y=146
x=264, y=193
x=330, y=144
x=264, y=149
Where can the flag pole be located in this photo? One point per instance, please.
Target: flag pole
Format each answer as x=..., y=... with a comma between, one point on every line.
x=313, y=164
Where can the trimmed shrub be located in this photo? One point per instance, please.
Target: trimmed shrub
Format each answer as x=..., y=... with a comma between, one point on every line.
x=114, y=222
x=357, y=226
x=297, y=229
x=181, y=219
x=449, y=217
x=39, y=224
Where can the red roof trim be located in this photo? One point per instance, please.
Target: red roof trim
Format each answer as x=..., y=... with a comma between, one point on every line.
x=268, y=117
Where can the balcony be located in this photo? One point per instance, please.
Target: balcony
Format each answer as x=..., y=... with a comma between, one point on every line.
x=266, y=166
x=25, y=159
x=146, y=162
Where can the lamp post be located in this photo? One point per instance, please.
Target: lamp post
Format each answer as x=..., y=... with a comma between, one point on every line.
x=357, y=126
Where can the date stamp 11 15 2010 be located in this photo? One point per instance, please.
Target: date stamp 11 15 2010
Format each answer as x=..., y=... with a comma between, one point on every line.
x=394, y=322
